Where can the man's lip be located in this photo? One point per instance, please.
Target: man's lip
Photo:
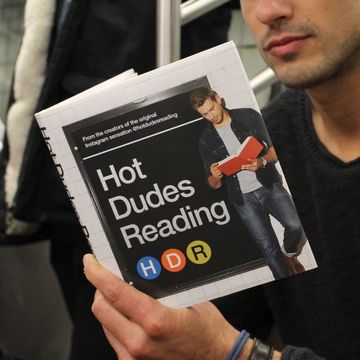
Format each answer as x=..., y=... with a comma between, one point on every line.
x=282, y=41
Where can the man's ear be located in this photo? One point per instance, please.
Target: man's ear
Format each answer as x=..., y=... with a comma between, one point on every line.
x=218, y=99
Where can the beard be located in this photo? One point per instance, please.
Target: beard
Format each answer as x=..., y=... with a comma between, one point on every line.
x=331, y=60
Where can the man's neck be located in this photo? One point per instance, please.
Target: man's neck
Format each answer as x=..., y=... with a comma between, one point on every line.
x=226, y=120
x=336, y=115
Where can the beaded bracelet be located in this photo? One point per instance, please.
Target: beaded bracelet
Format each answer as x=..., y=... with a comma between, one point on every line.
x=238, y=345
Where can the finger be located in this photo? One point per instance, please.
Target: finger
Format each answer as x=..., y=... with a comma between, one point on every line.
x=129, y=301
x=114, y=321
x=135, y=339
x=120, y=350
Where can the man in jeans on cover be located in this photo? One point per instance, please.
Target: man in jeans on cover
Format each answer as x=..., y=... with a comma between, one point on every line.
x=255, y=191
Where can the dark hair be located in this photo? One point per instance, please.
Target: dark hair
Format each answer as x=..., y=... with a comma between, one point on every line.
x=199, y=96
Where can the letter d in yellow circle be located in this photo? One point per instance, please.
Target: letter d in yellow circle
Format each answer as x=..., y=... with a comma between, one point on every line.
x=198, y=252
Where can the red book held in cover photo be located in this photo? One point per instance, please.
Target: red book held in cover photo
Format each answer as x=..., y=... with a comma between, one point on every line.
x=248, y=151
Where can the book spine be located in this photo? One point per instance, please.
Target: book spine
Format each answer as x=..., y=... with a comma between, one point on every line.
x=60, y=170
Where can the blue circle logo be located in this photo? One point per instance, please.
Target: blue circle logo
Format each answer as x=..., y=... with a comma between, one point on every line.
x=148, y=268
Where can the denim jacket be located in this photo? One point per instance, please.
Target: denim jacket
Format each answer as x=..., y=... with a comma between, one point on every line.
x=244, y=122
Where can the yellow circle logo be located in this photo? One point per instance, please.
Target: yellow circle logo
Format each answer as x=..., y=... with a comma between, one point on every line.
x=198, y=252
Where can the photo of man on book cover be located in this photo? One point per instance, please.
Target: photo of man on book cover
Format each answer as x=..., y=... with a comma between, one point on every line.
x=256, y=189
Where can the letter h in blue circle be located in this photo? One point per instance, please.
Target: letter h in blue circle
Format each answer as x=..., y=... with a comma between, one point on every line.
x=148, y=268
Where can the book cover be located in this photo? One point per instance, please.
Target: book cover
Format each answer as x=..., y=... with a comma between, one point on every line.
x=248, y=151
x=130, y=159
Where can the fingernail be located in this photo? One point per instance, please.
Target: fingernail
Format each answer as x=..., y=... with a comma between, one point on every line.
x=88, y=259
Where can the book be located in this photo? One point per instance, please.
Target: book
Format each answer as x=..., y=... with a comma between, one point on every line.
x=127, y=152
x=248, y=151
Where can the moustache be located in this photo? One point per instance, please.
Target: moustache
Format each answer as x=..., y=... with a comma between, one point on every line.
x=281, y=28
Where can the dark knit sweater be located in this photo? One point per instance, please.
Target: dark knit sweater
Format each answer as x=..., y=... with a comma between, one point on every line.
x=319, y=309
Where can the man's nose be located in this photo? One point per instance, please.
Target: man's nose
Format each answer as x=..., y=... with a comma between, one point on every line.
x=270, y=11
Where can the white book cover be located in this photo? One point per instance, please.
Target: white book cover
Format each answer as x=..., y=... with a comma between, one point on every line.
x=128, y=154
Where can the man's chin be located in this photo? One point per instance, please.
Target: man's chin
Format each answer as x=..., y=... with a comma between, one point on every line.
x=296, y=78
x=302, y=75
x=301, y=82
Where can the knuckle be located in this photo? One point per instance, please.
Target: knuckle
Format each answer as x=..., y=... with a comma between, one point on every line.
x=112, y=291
x=97, y=305
x=157, y=324
x=138, y=347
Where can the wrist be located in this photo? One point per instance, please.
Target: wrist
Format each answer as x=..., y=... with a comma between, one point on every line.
x=263, y=161
x=241, y=347
x=216, y=181
x=251, y=349
x=246, y=350
x=262, y=351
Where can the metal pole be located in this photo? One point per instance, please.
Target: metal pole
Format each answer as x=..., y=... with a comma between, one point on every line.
x=168, y=31
x=192, y=9
x=264, y=79
x=171, y=14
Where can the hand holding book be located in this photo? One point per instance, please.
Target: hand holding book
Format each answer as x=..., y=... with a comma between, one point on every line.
x=244, y=159
x=254, y=164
